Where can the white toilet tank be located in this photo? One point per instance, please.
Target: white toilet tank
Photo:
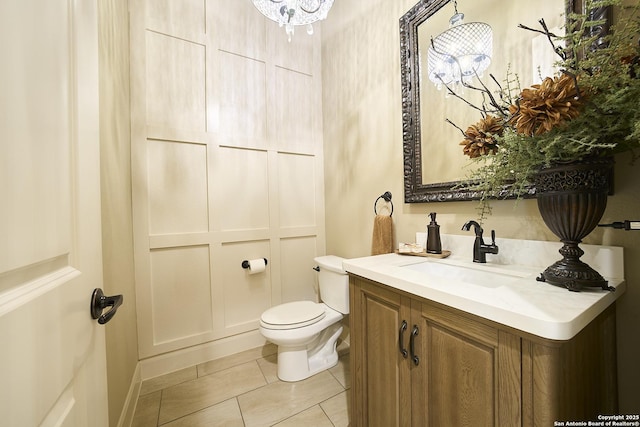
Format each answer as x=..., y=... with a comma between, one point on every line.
x=334, y=283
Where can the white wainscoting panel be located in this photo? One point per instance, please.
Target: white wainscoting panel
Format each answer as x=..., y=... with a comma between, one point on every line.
x=296, y=109
x=241, y=182
x=240, y=117
x=175, y=79
x=177, y=185
x=298, y=55
x=184, y=19
x=234, y=27
x=226, y=166
x=296, y=180
x=298, y=280
x=246, y=295
x=181, y=288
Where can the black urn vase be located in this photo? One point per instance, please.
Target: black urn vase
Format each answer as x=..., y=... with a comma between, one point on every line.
x=572, y=198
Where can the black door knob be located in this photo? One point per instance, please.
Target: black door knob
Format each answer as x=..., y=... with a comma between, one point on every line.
x=99, y=302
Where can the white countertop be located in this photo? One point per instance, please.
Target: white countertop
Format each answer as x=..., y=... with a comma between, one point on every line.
x=516, y=299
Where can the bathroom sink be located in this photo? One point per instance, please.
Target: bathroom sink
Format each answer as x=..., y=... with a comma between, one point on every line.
x=484, y=275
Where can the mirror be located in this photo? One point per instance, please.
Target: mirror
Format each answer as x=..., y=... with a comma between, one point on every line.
x=433, y=159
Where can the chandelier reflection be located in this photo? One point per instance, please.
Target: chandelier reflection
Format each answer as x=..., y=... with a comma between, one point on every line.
x=460, y=53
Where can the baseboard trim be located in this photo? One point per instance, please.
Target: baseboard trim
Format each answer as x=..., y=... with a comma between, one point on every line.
x=129, y=409
x=186, y=357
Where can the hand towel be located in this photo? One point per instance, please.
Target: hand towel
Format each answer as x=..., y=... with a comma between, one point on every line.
x=382, y=240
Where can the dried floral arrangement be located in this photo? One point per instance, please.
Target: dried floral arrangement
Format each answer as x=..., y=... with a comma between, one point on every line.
x=590, y=108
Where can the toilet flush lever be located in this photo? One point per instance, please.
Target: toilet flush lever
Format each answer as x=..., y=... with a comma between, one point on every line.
x=316, y=268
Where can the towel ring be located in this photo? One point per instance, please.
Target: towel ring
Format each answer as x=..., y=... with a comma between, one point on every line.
x=387, y=198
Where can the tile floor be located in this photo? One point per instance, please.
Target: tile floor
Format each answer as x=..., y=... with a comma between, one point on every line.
x=243, y=390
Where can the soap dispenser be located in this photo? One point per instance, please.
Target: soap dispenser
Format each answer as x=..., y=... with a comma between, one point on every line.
x=434, y=245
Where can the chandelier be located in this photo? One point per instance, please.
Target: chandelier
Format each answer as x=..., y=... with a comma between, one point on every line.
x=290, y=13
x=459, y=53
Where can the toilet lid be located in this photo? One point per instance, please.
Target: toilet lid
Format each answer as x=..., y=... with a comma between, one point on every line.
x=293, y=315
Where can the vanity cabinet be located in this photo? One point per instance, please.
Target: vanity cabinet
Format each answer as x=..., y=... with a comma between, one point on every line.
x=381, y=395
x=463, y=370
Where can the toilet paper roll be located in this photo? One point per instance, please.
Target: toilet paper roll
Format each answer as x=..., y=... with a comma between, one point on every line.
x=257, y=266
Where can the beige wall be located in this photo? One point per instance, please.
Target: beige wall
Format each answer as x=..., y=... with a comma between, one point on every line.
x=117, y=245
x=363, y=159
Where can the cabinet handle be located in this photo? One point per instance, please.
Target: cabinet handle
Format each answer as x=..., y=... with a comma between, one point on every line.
x=414, y=334
x=403, y=328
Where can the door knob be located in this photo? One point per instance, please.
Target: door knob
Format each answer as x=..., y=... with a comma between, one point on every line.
x=99, y=302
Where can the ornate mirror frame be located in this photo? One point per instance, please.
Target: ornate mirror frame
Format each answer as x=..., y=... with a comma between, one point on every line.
x=416, y=191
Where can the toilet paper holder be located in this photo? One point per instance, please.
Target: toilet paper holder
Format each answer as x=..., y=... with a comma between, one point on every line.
x=245, y=263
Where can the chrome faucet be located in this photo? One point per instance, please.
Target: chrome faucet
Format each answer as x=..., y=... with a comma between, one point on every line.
x=480, y=248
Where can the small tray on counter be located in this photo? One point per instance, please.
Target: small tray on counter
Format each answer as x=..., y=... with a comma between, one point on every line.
x=444, y=254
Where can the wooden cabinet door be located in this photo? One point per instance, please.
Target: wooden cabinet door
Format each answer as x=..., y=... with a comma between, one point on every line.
x=468, y=372
x=380, y=386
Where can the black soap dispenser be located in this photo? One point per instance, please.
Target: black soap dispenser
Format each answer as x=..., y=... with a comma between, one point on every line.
x=434, y=245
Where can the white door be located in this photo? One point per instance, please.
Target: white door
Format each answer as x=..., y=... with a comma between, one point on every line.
x=52, y=353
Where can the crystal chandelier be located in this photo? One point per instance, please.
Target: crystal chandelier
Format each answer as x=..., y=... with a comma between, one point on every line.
x=460, y=53
x=289, y=13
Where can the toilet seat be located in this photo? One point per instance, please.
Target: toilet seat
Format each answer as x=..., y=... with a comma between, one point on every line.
x=292, y=315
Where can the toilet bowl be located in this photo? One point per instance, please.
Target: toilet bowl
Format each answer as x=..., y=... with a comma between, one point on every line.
x=306, y=332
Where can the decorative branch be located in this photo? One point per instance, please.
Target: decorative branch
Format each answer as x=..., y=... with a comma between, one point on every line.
x=485, y=91
x=550, y=36
x=457, y=127
x=453, y=93
x=575, y=83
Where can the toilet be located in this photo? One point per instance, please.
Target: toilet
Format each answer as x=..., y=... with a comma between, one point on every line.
x=306, y=332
